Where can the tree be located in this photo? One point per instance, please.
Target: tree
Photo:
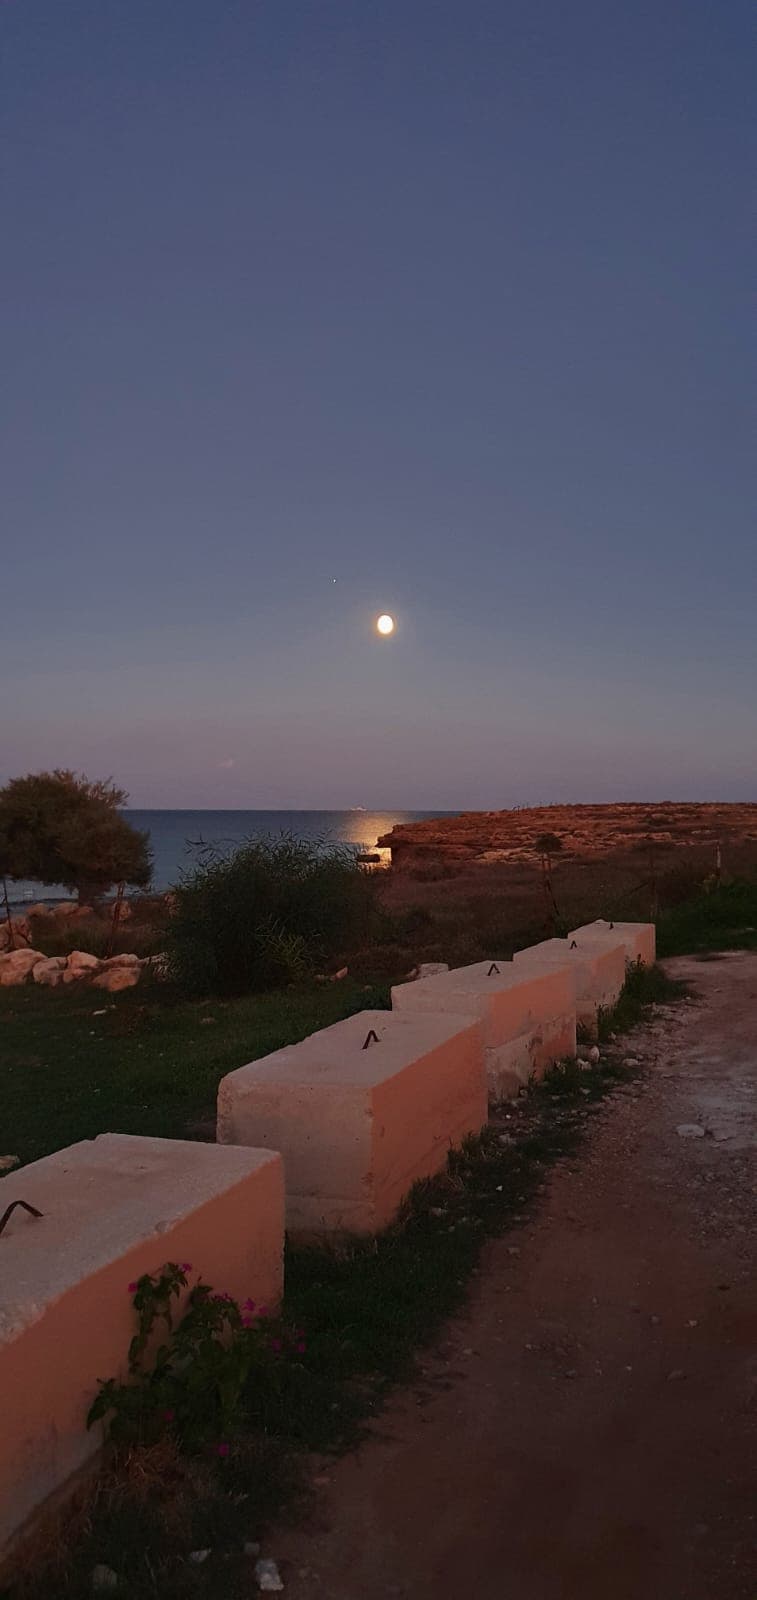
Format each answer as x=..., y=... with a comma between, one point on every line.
x=59, y=827
x=547, y=845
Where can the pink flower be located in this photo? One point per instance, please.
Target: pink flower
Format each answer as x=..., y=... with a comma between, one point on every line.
x=276, y=1344
x=132, y=1288
x=186, y=1266
x=301, y=1347
x=263, y=1312
x=168, y=1416
x=247, y=1322
x=222, y=1449
x=249, y=1305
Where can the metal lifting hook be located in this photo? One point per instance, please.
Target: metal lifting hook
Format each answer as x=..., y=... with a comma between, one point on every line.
x=7, y=1214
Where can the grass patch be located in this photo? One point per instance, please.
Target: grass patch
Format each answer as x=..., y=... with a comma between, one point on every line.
x=367, y=1308
x=147, y=1063
x=644, y=986
x=723, y=918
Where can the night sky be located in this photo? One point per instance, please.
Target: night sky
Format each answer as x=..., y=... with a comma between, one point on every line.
x=445, y=301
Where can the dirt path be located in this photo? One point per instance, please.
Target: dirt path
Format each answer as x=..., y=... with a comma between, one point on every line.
x=589, y=1430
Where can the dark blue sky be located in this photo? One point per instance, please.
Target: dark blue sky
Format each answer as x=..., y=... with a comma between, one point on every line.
x=445, y=300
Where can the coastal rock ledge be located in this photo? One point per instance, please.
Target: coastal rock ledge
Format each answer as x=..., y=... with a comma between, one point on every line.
x=584, y=831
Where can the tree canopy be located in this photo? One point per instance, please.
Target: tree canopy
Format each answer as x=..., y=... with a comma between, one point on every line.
x=60, y=827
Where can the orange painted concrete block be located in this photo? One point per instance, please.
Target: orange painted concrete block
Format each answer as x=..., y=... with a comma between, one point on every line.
x=637, y=938
x=359, y=1111
x=598, y=972
x=528, y=1020
x=112, y=1208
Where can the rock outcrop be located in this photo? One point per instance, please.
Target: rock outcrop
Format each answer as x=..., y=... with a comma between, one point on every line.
x=114, y=979
x=585, y=832
x=114, y=974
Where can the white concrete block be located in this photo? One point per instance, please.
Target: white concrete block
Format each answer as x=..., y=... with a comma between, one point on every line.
x=358, y=1126
x=637, y=938
x=528, y=1020
x=112, y=1209
x=598, y=972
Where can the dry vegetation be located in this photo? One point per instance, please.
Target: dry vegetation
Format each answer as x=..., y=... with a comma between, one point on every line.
x=463, y=888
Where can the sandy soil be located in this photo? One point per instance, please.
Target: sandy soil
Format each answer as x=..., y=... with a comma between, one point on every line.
x=589, y=1429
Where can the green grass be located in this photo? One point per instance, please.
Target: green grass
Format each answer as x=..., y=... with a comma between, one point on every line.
x=724, y=918
x=367, y=1308
x=643, y=987
x=151, y=1064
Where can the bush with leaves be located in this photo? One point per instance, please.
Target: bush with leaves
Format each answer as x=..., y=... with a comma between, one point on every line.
x=275, y=911
x=194, y=1384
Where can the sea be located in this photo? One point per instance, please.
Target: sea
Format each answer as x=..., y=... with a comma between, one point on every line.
x=178, y=837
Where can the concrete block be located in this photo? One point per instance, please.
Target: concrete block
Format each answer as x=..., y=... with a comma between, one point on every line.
x=112, y=1209
x=598, y=972
x=357, y=1126
x=637, y=938
x=528, y=1020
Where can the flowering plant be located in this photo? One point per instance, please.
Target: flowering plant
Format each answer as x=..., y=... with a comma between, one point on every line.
x=193, y=1383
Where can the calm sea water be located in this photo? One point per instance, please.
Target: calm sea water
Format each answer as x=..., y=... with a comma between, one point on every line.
x=176, y=836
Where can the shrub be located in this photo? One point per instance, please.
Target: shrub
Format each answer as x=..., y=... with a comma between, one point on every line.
x=275, y=911
x=57, y=827
x=193, y=1384
x=723, y=918
x=58, y=937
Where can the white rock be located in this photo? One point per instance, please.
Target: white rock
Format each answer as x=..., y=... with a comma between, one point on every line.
x=690, y=1130
x=82, y=960
x=20, y=929
x=7, y=1163
x=594, y=1055
x=50, y=972
x=268, y=1577
x=16, y=966
x=429, y=969
x=116, y=978
x=198, y=1556
x=583, y=1066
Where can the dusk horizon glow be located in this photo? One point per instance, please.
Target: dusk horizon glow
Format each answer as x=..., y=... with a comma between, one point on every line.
x=316, y=314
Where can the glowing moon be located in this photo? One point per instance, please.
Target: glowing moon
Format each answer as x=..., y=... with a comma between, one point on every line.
x=385, y=624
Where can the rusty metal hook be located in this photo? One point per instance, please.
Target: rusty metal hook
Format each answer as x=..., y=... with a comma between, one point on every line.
x=493, y=968
x=11, y=1208
x=573, y=944
x=371, y=1038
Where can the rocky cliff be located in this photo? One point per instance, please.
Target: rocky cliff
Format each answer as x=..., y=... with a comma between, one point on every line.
x=585, y=831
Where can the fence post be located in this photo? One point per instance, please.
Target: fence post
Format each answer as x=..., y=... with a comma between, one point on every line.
x=655, y=903
x=116, y=917
x=8, y=917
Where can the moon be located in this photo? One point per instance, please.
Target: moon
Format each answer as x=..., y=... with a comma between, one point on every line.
x=385, y=624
